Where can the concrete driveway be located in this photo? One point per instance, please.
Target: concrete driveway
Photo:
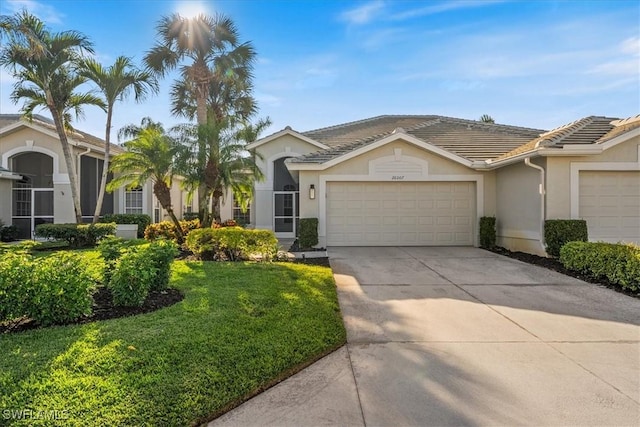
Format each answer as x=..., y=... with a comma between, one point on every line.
x=462, y=336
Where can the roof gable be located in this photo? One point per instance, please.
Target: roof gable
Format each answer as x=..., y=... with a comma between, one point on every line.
x=589, y=134
x=283, y=132
x=463, y=139
x=10, y=123
x=299, y=163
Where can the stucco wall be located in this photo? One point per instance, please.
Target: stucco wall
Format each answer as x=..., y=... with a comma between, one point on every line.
x=438, y=168
x=5, y=198
x=559, y=174
x=285, y=146
x=518, y=202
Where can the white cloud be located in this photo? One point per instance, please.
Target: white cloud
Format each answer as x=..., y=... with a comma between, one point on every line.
x=383, y=37
x=631, y=46
x=363, y=14
x=623, y=62
x=43, y=11
x=268, y=99
x=442, y=7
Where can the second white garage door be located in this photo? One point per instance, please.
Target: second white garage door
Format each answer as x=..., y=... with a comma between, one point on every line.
x=610, y=203
x=400, y=213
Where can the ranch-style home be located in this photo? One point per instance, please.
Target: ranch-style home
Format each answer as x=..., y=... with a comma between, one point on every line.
x=34, y=183
x=427, y=180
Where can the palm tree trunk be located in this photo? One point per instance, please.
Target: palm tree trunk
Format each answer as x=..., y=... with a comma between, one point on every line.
x=215, y=205
x=105, y=169
x=163, y=194
x=68, y=157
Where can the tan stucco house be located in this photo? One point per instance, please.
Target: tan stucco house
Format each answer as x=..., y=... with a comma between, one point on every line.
x=426, y=180
x=34, y=183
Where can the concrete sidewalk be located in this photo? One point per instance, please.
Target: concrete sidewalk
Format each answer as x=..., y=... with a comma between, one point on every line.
x=462, y=336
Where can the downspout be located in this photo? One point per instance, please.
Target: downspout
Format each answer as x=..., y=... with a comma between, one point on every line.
x=542, y=192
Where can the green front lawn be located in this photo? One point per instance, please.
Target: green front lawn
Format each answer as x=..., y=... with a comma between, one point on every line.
x=240, y=328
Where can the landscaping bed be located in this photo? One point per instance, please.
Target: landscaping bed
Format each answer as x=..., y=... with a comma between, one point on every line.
x=555, y=265
x=104, y=309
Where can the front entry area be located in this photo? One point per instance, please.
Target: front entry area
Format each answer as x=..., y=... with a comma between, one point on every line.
x=286, y=213
x=400, y=213
x=32, y=197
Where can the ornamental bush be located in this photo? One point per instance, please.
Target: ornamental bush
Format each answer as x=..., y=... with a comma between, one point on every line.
x=308, y=233
x=232, y=243
x=8, y=233
x=557, y=232
x=77, y=235
x=161, y=254
x=16, y=270
x=618, y=263
x=142, y=220
x=488, y=232
x=167, y=229
x=138, y=270
x=51, y=290
x=62, y=289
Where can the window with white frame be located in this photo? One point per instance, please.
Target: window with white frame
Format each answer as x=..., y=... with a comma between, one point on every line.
x=238, y=215
x=133, y=201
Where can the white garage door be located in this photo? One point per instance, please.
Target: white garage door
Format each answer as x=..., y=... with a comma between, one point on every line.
x=610, y=202
x=400, y=213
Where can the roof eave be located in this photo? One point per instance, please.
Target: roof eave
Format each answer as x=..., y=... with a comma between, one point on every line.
x=283, y=132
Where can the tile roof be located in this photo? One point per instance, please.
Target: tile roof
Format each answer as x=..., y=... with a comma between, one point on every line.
x=588, y=130
x=77, y=135
x=470, y=139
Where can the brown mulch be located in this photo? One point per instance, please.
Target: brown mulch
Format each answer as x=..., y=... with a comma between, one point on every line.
x=104, y=309
x=555, y=265
x=323, y=261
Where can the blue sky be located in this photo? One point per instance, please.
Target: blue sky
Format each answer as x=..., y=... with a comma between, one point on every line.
x=537, y=64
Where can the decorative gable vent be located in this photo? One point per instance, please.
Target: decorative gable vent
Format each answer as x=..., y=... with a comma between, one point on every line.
x=399, y=165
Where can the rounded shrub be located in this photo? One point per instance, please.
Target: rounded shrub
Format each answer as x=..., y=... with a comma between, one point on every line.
x=16, y=270
x=62, y=289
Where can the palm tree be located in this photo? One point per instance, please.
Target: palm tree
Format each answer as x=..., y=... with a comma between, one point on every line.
x=485, y=118
x=150, y=155
x=211, y=47
x=115, y=82
x=43, y=64
x=236, y=168
x=210, y=44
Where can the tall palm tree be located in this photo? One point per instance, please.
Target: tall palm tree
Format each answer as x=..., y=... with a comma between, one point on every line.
x=150, y=155
x=43, y=65
x=116, y=82
x=209, y=45
x=213, y=53
x=485, y=118
x=236, y=168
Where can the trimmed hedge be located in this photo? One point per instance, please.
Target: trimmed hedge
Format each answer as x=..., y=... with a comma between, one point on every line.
x=557, y=232
x=231, y=243
x=51, y=290
x=77, y=235
x=167, y=229
x=617, y=262
x=133, y=271
x=143, y=221
x=8, y=233
x=488, y=232
x=308, y=232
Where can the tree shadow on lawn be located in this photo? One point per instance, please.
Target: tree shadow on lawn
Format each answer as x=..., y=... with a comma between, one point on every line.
x=239, y=330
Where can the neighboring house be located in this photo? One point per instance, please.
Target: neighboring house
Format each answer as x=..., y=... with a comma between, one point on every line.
x=34, y=183
x=426, y=180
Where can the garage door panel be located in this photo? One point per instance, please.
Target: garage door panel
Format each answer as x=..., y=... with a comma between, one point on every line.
x=610, y=203
x=401, y=213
